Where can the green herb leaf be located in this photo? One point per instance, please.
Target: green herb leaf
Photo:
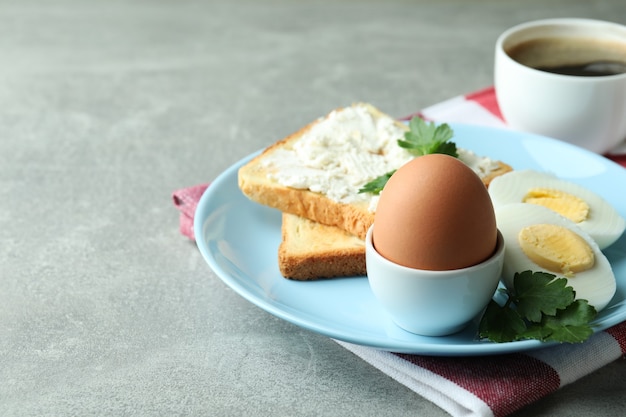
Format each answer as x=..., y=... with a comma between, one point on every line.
x=377, y=185
x=571, y=324
x=501, y=324
x=539, y=306
x=448, y=148
x=425, y=138
x=421, y=139
x=540, y=293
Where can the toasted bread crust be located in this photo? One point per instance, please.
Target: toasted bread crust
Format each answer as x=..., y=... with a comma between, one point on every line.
x=352, y=218
x=501, y=170
x=310, y=250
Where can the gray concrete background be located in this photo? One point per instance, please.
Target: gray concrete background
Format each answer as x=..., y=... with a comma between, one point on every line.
x=106, y=107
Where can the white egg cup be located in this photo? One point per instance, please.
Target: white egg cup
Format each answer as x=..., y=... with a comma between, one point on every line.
x=432, y=303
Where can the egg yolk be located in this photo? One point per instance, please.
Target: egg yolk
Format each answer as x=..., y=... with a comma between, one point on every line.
x=556, y=249
x=567, y=205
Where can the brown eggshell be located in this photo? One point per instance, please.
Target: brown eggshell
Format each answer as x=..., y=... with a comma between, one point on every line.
x=435, y=214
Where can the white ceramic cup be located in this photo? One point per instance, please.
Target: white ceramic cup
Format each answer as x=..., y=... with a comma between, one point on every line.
x=432, y=303
x=587, y=111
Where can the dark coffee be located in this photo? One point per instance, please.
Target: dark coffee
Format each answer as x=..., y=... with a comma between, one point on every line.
x=572, y=56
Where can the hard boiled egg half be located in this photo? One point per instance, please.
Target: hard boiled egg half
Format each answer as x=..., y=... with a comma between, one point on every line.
x=539, y=239
x=585, y=208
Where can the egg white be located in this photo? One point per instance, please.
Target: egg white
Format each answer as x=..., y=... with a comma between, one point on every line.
x=597, y=285
x=604, y=224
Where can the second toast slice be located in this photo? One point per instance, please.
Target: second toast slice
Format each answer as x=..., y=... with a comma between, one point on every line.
x=310, y=250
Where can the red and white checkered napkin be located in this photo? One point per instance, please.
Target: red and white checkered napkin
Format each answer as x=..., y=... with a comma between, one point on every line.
x=186, y=200
x=485, y=385
x=497, y=385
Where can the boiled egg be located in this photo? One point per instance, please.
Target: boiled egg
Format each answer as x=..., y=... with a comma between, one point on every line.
x=538, y=239
x=435, y=214
x=588, y=210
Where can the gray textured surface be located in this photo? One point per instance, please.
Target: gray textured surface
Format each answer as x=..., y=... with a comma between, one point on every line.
x=107, y=107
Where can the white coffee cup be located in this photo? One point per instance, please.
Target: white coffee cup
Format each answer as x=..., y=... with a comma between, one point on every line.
x=588, y=111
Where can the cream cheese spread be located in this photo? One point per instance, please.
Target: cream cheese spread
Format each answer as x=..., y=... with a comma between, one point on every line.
x=345, y=151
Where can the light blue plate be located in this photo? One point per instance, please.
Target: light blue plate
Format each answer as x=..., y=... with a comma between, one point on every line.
x=239, y=240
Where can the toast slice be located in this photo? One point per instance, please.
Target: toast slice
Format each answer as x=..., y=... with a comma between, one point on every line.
x=365, y=142
x=310, y=250
x=258, y=182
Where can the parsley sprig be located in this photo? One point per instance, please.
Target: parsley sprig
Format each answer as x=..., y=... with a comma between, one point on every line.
x=422, y=138
x=376, y=186
x=539, y=306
